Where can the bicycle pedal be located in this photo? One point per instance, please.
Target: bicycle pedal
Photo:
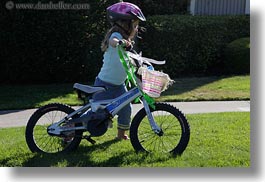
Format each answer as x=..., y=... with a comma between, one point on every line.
x=89, y=139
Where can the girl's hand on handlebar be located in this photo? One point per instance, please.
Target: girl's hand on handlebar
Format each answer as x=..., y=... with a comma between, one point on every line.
x=126, y=44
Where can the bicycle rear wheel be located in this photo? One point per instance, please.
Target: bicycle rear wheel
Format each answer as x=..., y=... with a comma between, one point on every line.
x=175, y=134
x=37, y=137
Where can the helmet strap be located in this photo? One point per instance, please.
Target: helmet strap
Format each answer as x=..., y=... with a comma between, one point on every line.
x=141, y=30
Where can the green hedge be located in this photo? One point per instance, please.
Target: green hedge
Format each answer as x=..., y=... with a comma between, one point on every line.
x=192, y=45
x=237, y=56
x=165, y=7
x=44, y=46
x=52, y=46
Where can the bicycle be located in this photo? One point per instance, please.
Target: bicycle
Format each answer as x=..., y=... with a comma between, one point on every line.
x=157, y=127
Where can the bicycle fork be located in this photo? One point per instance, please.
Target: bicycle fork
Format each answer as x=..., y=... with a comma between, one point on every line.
x=151, y=120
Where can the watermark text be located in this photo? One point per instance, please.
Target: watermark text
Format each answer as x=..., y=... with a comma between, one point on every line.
x=61, y=5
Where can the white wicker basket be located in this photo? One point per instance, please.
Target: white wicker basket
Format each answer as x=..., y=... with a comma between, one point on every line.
x=154, y=82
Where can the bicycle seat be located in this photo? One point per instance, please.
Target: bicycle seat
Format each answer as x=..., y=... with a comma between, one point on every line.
x=88, y=89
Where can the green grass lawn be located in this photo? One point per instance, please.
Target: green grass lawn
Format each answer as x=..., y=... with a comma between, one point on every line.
x=209, y=88
x=217, y=140
x=184, y=89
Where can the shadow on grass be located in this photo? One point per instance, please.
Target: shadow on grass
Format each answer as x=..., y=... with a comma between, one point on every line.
x=81, y=158
x=31, y=96
x=183, y=85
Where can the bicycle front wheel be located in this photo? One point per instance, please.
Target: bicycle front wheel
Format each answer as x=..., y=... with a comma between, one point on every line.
x=175, y=131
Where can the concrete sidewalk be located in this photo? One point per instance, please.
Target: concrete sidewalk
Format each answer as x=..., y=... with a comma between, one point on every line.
x=13, y=118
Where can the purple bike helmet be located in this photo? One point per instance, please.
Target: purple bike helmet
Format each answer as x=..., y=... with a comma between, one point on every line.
x=124, y=11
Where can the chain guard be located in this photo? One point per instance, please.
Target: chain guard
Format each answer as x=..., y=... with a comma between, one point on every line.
x=97, y=127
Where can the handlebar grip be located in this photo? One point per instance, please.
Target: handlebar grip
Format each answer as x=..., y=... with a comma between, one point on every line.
x=121, y=42
x=124, y=45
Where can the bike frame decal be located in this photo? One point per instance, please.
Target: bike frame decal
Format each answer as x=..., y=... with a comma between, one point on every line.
x=115, y=106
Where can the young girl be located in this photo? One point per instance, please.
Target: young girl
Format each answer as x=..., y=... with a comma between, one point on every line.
x=124, y=18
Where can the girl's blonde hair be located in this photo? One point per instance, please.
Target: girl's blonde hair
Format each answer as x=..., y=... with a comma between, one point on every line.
x=124, y=27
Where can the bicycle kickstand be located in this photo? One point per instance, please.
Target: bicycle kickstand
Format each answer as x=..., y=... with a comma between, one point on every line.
x=89, y=139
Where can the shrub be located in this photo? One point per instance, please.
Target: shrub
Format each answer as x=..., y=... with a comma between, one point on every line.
x=192, y=45
x=165, y=7
x=49, y=46
x=237, y=56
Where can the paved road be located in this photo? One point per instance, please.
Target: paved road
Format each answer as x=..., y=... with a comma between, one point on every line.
x=13, y=118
